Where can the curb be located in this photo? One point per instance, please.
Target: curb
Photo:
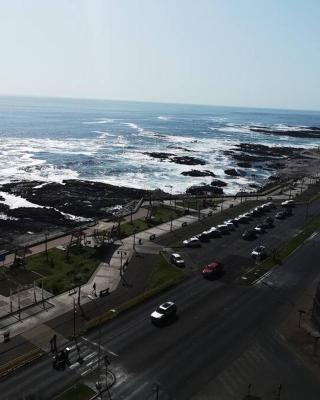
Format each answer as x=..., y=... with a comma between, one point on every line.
x=20, y=361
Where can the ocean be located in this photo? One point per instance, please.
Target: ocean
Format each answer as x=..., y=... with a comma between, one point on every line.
x=52, y=139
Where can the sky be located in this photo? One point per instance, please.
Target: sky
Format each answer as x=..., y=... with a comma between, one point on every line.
x=256, y=53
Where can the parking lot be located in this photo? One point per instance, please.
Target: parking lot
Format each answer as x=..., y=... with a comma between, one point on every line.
x=231, y=249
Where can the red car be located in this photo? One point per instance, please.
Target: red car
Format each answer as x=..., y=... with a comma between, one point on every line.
x=213, y=269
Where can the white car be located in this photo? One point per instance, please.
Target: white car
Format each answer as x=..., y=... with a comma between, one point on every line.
x=229, y=225
x=192, y=242
x=164, y=313
x=288, y=203
x=177, y=260
x=223, y=228
x=214, y=232
x=259, y=252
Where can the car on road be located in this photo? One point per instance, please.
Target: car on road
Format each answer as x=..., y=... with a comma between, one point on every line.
x=203, y=236
x=213, y=232
x=223, y=228
x=259, y=228
x=259, y=252
x=192, y=242
x=230, y=225
x=288, y=203
x=280, y=215
x=166, y=312
x=243, y=219
x=212, y=270
x=177, y=260
x=271, y=206
x=234, y=221
x=249, y=234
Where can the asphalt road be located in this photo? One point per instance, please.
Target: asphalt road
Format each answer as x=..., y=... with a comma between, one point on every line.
x=234, y=251
x=226, y=337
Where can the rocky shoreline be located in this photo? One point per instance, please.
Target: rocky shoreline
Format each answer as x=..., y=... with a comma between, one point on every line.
x=58, y=207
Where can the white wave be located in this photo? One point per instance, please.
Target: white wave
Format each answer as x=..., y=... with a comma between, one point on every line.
x=7, y=218
x=99, y=121
x=16, y=201
x=141, y=131
x=103, y=134
x=163, y=118
x=284, y=127
x=73, y=217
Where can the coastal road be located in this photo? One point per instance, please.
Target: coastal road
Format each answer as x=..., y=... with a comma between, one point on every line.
x=226, y=337
x=231, y=248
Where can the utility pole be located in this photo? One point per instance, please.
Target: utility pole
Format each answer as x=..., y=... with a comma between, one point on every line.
x=74, y=318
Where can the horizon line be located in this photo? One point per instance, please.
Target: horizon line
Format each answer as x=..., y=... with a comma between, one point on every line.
x=157, y=102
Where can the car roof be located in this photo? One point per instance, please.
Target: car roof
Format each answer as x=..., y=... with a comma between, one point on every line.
x=213, y=264
x=175, y=255
x=166, y=305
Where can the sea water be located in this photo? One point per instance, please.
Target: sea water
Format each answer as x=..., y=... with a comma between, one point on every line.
x=52, y=139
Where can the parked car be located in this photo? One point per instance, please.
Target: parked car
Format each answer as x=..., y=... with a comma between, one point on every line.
x=259, y=228
x=177, y=260
x=164, y=313
x=192, y=242
x=259, y=252
x=271, y=205
x=280, y=215
x=229, y=225
x=212, y=270
x=243, y=219
x=249, y=234
x=223, y=228
x=288, y=203
x=214, y=232
x=203, y=236
x=234, y=221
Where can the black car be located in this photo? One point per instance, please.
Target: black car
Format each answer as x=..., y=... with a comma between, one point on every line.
x=249, y=234
x=166, y=312
x=280, y=215
x=203, y=236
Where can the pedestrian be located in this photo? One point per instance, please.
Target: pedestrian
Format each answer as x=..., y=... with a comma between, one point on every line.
x=94, y=291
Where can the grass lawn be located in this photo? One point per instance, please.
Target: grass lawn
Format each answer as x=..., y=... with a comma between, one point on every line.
x=77, y=392
x=161, y=215
x=164, y=272
x=196, y=203
x=61, y=273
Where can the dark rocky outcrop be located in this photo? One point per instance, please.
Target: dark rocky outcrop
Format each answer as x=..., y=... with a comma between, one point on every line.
x=304, y=132
x=232, y=172
x=186, y=160
x=80, y=198
x=196, y=173
x=244, y=164
x=218, y=183
x=204, y=189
